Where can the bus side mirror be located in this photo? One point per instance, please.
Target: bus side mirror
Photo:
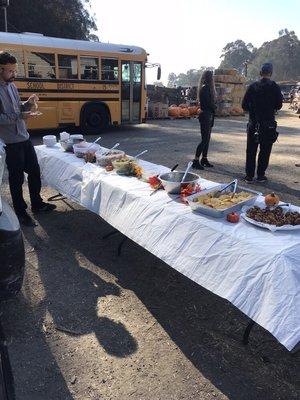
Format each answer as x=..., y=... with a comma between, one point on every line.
x=158, y=73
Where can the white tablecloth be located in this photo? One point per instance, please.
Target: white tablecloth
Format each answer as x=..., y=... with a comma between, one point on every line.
x=256, y=270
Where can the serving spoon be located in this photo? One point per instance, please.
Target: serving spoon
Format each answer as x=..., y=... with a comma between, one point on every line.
x=190, y=163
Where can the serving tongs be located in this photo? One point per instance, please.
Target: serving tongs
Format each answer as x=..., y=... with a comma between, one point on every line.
x=234, y=183
x=271, y=208
x=160, y=185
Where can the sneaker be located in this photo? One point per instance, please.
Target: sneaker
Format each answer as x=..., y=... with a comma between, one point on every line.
x=206, y=163
x=44, y=207
x=25, y=219
x=197, y=165
x=248, y=179
x=261, y=179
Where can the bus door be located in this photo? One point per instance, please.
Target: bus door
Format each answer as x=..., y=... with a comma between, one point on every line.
x=131, y=91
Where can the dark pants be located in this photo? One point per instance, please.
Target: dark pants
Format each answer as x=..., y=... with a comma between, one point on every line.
x=20, y=158
x=206, y=123
x=265, y=148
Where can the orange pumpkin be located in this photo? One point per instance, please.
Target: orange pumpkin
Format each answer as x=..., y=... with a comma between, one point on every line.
x=183, y=105
x=174, y=111
x=193, y=110
x=271, y=200
x=184, y=112
x=233, y=217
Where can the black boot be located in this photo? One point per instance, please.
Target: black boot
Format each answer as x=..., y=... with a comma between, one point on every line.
x=197, y=165
x=206, y=163
x=25, y=219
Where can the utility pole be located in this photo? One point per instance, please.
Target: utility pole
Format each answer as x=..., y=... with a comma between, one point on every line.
x=4, y=4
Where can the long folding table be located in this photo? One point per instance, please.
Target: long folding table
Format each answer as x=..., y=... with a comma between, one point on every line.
x=258, y=271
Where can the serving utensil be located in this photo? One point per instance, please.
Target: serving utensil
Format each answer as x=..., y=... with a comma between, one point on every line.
x=279, y=205
x=234, y=188
x=107, y=151
x=95, y=141
x=160, y=185
x=138, y=155
x=190, y=163
x=218, y=192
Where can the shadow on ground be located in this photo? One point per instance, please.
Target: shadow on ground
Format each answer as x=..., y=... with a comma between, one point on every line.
x=207, y=329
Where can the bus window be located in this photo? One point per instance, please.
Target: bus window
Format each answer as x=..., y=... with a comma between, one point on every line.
x=137, y=72
x=41, y=65
x=109, y=69
x=20, y=60
x=89, y=68
x=67, y=66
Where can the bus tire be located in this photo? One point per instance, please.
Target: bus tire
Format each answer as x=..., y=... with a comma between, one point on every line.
x=94, y=118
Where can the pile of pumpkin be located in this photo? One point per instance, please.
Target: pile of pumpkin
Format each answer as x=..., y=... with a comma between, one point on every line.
x=183, y=111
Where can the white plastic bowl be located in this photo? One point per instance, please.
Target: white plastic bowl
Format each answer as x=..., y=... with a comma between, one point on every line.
x=49, y=140
x=80, y=149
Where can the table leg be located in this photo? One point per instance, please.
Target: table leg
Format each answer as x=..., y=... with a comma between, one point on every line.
x=247, y=332
x=56, y=197
x=121, y=245
x=114, y=232
x=7, y=387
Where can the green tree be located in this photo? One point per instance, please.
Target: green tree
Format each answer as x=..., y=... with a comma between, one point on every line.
x=235, y=54
x=58, y=18
x=188, y=79
x=172, y=78
x=158, y=83
x=283, y=53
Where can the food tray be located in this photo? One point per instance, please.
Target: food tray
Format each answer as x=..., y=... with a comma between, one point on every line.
x=221, y=213
x=270, y=227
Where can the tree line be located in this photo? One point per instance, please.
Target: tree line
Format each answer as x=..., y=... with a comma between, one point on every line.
x=283, y=52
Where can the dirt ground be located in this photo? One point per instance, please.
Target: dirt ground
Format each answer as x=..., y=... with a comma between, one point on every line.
x=91, y=325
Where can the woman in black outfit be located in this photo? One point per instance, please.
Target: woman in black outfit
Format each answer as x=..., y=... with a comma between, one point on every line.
x=207, y=98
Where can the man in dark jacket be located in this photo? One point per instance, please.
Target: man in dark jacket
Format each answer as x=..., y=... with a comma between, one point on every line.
x=262, y=99
x=20, y=153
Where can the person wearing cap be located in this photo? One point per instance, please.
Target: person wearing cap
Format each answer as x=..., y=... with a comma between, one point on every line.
x=262, y=99
x=20, y=153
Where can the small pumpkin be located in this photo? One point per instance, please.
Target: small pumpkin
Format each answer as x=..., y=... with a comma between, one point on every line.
x=233, y=217
x=271, y=200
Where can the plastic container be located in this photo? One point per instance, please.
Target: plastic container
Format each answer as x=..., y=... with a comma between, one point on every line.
x=76, y=138
x=49, y=140
x=64, y=136
x=80, y=149
x=67, y=145
x=105, y=160
x=123, y=165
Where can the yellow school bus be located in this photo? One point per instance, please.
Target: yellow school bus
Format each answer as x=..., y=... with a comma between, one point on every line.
x=80, y=83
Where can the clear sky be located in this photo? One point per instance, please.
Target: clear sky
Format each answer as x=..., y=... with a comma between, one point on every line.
x=187, y=34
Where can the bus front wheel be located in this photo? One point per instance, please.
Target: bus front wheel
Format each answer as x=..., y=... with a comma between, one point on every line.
x=95, y=117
